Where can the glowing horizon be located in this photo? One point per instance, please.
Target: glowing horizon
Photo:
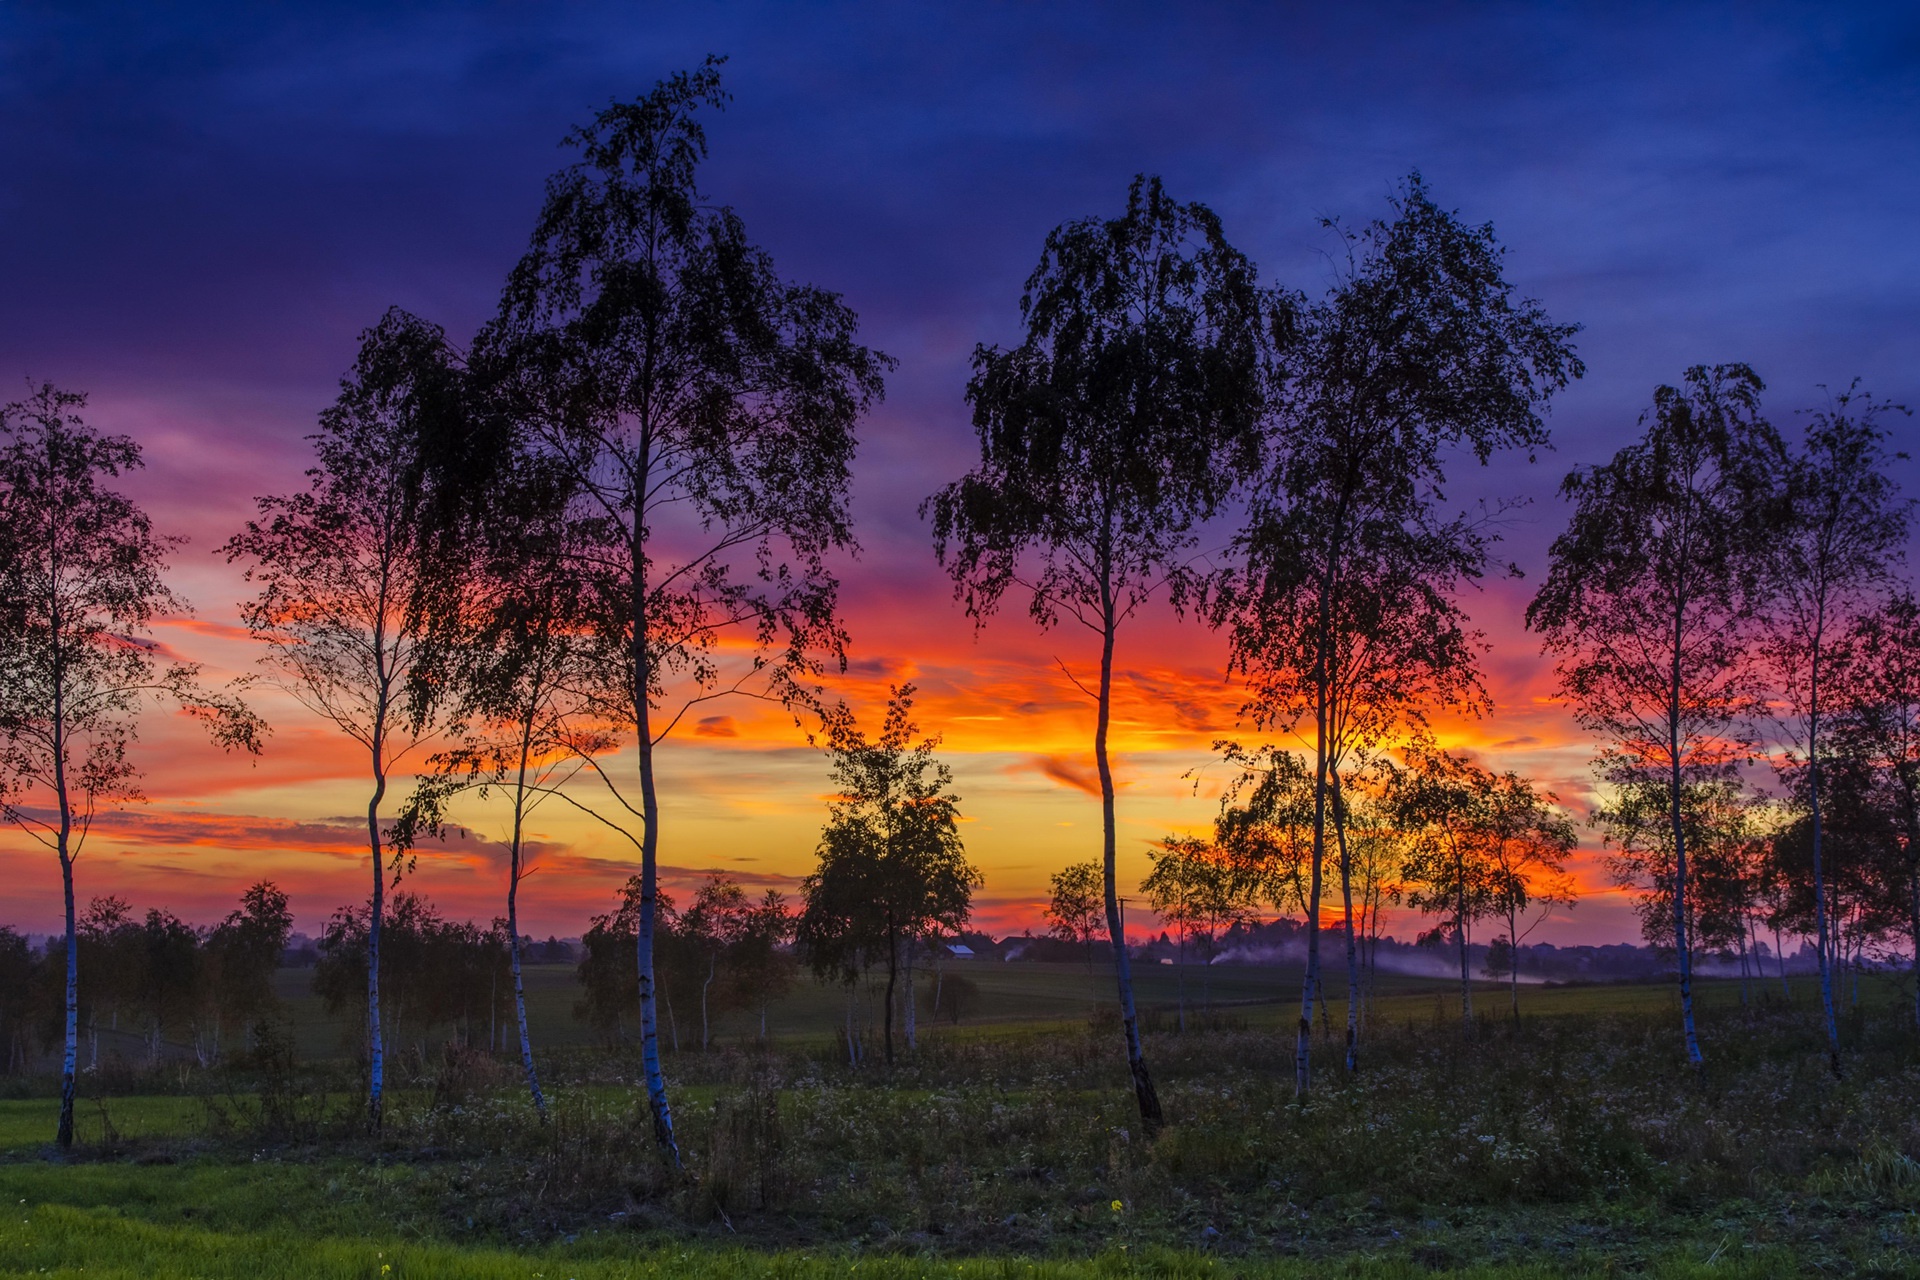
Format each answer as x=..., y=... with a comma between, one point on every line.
x=743, y=792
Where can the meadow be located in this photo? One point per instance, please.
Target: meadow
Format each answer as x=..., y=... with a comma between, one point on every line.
x=1574, y=1142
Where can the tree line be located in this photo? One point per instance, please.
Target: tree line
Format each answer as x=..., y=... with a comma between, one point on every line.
x=168, y=984
x=155, y=978
x=515, y=562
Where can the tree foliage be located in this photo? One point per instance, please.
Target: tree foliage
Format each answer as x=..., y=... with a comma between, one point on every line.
x=1839, y=529
x=1120, y=421
x=354, y=581
x=892, y=867
x=1342, y=610
x=702, y=412
x=1075, y=911
x=1876, y=731
x=1650, y=602
x=84, y=581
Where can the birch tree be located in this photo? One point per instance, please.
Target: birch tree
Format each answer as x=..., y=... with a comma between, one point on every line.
x=1075, y=910
x=1842, y=528
x=713, y=924
x=763, y=966
x=1876, y=697
x=892, y=865
x=1379, y=861
x=1195, y=887
x=515, y=667
x=1341, y=613
x=1649, y=603
x=1173, y=889
x=21, y=977
x=241, y=954
x=84, y=582
x=1445, y=804
x=1265, y=823
x=1117, y=425
x=1717, y=837
x=704, y=413
x=352, y=584
x=1528, y=841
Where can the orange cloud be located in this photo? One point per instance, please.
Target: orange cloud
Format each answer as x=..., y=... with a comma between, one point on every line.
x=1067, y=772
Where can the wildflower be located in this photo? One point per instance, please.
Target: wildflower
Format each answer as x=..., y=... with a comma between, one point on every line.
x=1117, y=1206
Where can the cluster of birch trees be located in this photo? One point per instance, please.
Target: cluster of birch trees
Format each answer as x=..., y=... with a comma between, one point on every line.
x=1276, y=464
x=1159, y=392
x=518, y=568
x=893, y=876
x=1725, y=592
x=509, y=562
x=436, y=973
x=1433, y=831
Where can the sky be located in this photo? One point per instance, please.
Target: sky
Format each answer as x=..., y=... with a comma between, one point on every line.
x=202, y=207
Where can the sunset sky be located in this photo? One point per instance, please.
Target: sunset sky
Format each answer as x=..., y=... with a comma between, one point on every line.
x=199, y=213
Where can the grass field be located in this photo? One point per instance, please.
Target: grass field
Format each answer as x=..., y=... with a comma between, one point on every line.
x=1012, y=997
x=1023, y=992
x=1575, y=1143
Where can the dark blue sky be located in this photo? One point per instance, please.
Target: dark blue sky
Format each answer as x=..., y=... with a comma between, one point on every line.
x=200, y=208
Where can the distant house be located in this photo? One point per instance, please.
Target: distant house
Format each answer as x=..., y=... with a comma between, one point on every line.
x=960, y=951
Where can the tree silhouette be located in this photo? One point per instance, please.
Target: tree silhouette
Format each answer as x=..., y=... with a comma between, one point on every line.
x=713, y=924
x=517, y=677
x=1447, y=806
x=1265, y=823
x=435, y=971
x=1196, y=888
x=1076, y=911
x=1865, y=887
x=242, y=953
x=762, y=967
x=1842, y=525
x=1876, y=699
x=82, y=572
x=1528, y=843
x=170, y=977
x=109, y=967
x=1118, y=423
x=1717, y=833
x=1341, y=610
x=18, y=973
x=1648, y=606
x=892, y=867
x=609, y=982
x=1378, y=851
x=352, y=582
x=703, y=412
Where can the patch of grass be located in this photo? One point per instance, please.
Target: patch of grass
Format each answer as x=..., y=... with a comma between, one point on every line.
x=27, y=1123
x=1569, y=1142
x=63, y=1241
x=1026, y=992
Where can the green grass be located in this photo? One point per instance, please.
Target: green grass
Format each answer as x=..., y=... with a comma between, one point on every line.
x=60, y=1241
x=1574, y=1143
x=30, y=1122
x=213, y=1220
x=1010, y=994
